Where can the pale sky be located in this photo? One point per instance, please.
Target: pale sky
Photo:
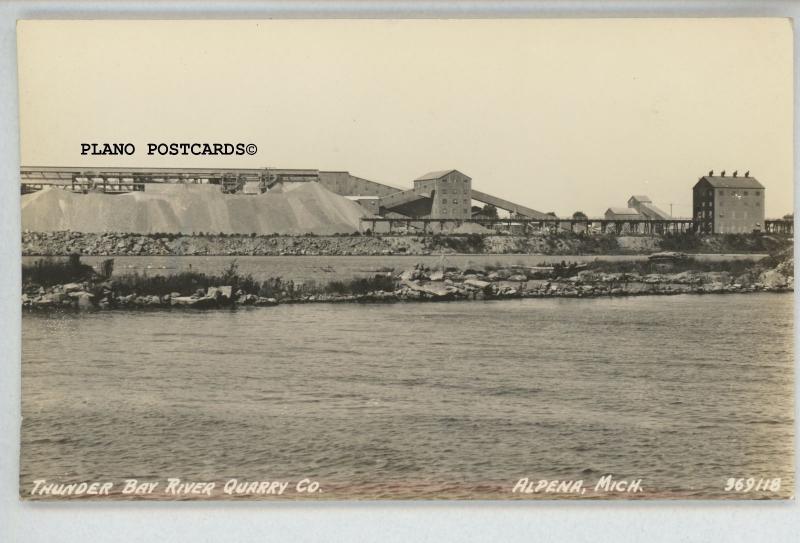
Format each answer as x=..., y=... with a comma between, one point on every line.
x=559, y=115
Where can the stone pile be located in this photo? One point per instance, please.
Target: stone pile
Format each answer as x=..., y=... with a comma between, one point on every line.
x=103, y=296
x=422, y=283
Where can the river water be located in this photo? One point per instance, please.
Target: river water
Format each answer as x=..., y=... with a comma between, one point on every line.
x=442, y=400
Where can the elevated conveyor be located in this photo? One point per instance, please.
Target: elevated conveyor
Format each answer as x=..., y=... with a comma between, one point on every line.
x=511, y=207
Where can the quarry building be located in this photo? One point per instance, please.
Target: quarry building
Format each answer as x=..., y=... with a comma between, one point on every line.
x=728, y=204
x=291, y=200
x=640, y=208
x=442, y=194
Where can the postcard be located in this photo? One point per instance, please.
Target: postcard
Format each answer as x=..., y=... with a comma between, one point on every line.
x=508, y=259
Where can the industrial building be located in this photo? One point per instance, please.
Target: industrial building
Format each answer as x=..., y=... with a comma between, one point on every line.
x=623, y=214
x=728, y=204
x=644, y=205
x=640, y=208
x=445, y=195
x=440, y=199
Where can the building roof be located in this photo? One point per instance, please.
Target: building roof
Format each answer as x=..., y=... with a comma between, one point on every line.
x=641, y=198
x=658, y=212
x=438, y=174
x=730, y=182
x=622, y=211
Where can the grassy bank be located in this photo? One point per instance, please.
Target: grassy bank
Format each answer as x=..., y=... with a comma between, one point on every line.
x=48, y=272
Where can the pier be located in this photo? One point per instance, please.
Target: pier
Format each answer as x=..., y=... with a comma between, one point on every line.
x=526, y=225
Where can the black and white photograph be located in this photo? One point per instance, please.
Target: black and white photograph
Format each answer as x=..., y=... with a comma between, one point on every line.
x=476, y=259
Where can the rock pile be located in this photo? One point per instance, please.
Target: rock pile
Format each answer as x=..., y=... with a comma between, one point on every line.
x=422, y=283
x=103, y=296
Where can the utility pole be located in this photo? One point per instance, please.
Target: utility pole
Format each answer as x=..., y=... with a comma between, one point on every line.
x=670, y=210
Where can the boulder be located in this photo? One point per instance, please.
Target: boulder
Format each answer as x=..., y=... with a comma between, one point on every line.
x=248, y=299
x=503, y=273
x=437, y=275
x=226, y=292
x=519, y=278
x=435, y=289
x=46, y=301
x=72, y=287
x=85, y=301
x=477, y=283
x=203, y=303
x=773, y=279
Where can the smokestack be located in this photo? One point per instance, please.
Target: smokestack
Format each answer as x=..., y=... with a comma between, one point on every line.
x=711, y=173
x=747, y=173
x=722, y=174
x=735, y=173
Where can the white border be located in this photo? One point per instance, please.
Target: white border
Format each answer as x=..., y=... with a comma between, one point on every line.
x=357, y=521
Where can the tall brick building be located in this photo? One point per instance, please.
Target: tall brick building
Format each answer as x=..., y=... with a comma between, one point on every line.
x=728, y=204
x=451, y=191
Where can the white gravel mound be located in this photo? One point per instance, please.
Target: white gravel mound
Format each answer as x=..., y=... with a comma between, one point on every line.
x=188, y=209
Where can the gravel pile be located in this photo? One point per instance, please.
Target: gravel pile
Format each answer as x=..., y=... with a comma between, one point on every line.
x=188, y=209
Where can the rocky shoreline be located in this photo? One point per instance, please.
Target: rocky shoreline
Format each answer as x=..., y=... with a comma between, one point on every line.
x=423, y=284
x=555, y=243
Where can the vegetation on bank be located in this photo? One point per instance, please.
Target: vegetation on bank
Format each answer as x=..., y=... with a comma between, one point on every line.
x=51, y=271
x=48, y=272
x=74, y=285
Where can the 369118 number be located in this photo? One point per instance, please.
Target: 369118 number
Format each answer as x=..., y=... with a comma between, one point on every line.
x=752, y=484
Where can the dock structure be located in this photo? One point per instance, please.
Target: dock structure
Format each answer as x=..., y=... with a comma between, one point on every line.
x=525, y=225
x=779, y=226
x=120, y=180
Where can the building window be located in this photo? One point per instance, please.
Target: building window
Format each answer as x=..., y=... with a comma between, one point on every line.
x=444, y=212
x=758, y=193
x=466, y=211
x=722, y=193
x=444, y=191
x=455, y=201
x=710, y=193
x=745, y=193
x=465, y=201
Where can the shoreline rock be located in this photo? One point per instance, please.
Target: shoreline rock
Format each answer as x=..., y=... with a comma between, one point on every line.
x=422, y=284
x=207, y=244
